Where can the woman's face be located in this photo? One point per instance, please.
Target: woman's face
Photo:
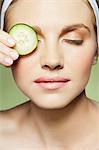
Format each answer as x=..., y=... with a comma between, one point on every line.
x=66, y=49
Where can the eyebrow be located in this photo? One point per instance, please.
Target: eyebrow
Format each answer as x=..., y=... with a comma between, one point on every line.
x=73, y=28
x=65, y=30
x=38, y=30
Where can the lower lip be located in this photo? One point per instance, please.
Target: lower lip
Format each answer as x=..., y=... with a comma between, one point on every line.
x=52, y=85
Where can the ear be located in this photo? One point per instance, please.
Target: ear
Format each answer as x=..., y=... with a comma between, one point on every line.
x=95, y=59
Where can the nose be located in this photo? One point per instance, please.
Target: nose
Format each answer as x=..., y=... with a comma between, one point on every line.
x=52, y=58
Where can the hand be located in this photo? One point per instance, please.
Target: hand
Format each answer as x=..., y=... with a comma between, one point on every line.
x=7, y=53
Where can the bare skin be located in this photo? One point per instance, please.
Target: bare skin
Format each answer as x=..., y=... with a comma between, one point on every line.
x=64, y=119
x=73, y=130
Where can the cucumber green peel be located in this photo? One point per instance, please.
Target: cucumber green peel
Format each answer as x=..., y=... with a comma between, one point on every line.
x=26, y=38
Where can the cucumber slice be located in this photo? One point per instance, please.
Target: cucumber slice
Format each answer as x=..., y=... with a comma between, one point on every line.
x=26, y=38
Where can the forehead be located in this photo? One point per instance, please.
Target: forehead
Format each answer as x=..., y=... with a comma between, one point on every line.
x=50, y=12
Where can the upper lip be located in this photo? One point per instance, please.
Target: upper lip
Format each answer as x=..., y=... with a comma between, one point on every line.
x=51, y=79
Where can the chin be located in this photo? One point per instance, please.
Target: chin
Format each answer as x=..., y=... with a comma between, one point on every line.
x=54, y=99
x=51, y=102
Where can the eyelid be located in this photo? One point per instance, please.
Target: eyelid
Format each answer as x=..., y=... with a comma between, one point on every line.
x=74, y=42
x=40, y=40
x=80, y=28
x=74, y=38
x=73, y=34
x=40, y=37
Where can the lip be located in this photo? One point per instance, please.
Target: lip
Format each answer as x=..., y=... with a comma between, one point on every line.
x=51, y=83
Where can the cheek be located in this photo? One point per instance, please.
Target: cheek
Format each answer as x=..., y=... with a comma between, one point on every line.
x=23, y=68
x=81, y=63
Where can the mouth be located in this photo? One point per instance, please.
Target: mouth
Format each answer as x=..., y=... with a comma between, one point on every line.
x=51, y=83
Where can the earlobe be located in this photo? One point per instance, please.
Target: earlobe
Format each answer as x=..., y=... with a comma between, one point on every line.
x=95, y=59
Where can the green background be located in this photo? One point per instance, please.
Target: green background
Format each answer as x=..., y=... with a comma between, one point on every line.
x=11, y=96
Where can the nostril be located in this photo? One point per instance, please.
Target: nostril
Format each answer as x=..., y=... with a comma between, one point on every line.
x=52, y=67
x=51, y=62
x=59, y=67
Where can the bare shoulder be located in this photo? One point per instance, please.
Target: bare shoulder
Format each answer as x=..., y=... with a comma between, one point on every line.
x=13, y=128
x=9, y=119
x=15, y=110
x=95, y=103
x=94, y=108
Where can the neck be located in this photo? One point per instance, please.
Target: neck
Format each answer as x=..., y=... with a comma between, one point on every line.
x=55, y=121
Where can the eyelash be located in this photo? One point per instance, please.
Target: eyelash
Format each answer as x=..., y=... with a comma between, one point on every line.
x=74, y=42
x=39, y=41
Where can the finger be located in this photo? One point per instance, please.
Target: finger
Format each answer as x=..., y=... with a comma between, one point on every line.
x=5, y=60
x=6, y=39
x=8, y=51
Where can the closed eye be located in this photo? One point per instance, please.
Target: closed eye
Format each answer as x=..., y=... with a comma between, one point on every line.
x=74, y=42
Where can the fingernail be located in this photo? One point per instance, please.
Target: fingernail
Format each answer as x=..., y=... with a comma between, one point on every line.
x=14, y=55
x=8, y=60
x=11, y=42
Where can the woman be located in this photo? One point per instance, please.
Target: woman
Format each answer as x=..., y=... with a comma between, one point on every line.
x=59, y=116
